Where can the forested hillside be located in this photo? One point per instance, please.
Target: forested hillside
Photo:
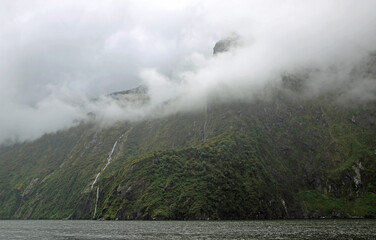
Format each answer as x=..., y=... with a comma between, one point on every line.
x=283, y=157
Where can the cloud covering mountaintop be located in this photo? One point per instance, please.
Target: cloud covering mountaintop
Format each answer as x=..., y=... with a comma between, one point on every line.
x=57, y=55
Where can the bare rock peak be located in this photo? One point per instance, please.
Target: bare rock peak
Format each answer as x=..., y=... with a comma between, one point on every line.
x=226, y=44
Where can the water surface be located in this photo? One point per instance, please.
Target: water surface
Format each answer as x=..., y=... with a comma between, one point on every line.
x=278, y=229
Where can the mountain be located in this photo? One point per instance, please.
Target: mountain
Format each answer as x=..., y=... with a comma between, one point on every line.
x=227, y=44
x=285, y=156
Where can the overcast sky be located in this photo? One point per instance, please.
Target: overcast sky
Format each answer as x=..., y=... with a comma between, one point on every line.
x=57, y=55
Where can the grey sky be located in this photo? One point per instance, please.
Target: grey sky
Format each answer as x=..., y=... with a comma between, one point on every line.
x=58, y=54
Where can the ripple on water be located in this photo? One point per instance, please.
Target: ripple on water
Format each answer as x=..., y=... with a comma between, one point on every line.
x=273, y=229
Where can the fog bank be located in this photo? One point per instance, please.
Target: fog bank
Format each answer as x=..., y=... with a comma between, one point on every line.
x=57, y=56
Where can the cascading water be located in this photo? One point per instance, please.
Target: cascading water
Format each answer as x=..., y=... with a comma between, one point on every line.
x=110, y=156
x=96, y=203
x=109, y=159
x=95, y=180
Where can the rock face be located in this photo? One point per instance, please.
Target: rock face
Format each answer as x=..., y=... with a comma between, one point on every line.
x=226, y=44
x=136, y=97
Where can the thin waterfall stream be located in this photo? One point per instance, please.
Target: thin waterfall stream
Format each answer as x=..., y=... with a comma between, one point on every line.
x=109, y=159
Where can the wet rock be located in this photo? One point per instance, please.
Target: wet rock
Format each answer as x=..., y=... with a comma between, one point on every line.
x=337, y=214
x=226, y=44
x=314, y=215
x=357, y=178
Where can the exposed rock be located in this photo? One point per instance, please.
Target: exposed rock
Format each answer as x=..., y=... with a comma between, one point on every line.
x=357, y=178
x=314, y=215
x=337, y=214
x=318, y=185
x=284, y=206
x=134, y=97
x=29, y=187
x=226, y=44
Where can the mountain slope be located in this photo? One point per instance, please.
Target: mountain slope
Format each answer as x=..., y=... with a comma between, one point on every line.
x=276, y=158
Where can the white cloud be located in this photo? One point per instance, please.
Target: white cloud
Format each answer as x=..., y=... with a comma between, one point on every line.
x=84, y=49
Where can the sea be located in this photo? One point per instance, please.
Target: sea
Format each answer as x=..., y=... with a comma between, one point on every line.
x=257, y=229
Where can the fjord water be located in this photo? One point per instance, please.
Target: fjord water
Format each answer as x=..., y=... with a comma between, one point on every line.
x=278, y=229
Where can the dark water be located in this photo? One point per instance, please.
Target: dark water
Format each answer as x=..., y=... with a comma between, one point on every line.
x=290, y=229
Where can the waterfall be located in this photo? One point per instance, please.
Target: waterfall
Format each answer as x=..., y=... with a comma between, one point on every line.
x=95, y=180
x=110, y=155
x=109, y=158
x=96, y=203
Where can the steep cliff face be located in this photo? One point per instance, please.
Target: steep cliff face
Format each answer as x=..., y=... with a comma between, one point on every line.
x=266, y=160
x=277, y=158
x=284, y=156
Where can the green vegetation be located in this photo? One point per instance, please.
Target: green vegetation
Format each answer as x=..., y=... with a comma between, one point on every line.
x=329, y=206
x=281, y=158
x=221, y=179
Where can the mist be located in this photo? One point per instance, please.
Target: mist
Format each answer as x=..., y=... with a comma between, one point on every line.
x=61, y=59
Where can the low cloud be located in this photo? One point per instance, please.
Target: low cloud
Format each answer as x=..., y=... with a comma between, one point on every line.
x=59, y=56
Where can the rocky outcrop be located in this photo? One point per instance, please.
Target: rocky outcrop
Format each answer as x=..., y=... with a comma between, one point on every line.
x=226, y=44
